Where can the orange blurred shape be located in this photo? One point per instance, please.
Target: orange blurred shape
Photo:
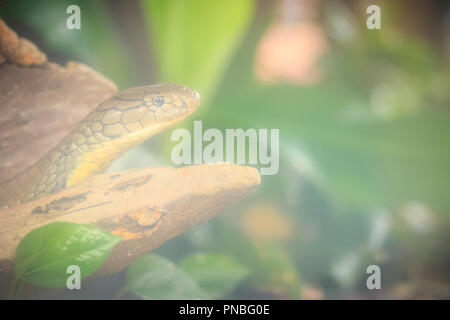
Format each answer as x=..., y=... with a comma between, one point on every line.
x=310, y=292
x=265, y=223
x=289, y=53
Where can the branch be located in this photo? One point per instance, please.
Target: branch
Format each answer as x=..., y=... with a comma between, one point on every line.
x=18, y=50
x=146, y=206
x=39, y=105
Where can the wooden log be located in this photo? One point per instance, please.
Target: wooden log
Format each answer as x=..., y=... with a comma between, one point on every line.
x=39, y=105
x=18, y=50
x=146, y=206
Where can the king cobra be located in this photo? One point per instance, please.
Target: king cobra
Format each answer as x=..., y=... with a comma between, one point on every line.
x=114, y=127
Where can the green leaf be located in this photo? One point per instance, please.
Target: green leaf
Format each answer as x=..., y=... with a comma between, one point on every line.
x=274, y=271
x=271, y=267
x=194, y=40
x=44, y=254
x=216, y=274
x=154, y=277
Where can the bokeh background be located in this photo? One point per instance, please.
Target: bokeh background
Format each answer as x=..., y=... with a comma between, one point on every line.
x=364, y=125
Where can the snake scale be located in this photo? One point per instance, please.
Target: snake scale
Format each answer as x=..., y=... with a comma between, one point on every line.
x=114, y=127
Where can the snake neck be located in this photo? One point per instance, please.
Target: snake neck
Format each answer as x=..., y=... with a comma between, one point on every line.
x=71, y=161
x=108, y=131
x=64, y=166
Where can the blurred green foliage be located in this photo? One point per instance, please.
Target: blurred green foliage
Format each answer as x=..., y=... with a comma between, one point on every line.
x=194, y=40
x=153, y=277
x=373, y=136
x=216, y=274
x=365, y=160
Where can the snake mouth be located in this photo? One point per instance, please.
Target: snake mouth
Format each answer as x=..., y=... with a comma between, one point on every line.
x=190, y=99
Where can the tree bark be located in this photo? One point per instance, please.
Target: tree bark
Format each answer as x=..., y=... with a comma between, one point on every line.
x=145, y=206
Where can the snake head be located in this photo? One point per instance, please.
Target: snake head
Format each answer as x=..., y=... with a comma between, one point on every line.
x=167, y=101
x=142, y=111
x=122, y=122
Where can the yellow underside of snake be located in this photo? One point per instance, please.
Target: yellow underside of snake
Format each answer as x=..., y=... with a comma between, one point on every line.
x=111, y=129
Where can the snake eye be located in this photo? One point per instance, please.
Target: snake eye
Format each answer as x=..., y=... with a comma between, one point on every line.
x=158, y=101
